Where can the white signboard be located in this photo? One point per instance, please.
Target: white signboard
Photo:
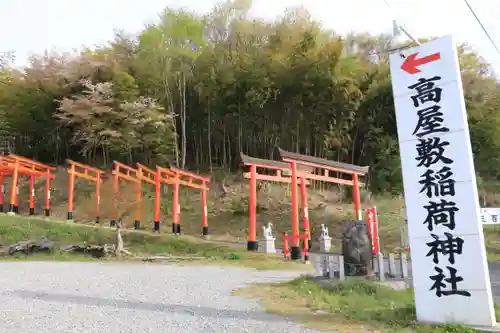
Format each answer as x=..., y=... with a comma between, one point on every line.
x=490, y=215
x=450, y=272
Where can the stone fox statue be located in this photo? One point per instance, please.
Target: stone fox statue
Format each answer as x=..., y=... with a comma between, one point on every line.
x=267, y=231
x=324, y=231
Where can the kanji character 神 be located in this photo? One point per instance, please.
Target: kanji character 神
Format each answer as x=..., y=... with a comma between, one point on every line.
x=447, y=247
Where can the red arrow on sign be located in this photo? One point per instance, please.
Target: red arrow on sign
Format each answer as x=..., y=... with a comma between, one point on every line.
x=411, y=63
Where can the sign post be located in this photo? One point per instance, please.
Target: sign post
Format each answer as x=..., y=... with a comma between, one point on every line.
x=450, y=271
x=490, y=216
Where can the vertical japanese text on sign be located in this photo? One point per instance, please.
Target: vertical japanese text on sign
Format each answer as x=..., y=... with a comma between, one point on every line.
x=437, y=183
x=450, y=269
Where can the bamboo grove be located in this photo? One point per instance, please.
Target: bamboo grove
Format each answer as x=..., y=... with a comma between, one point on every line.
x=196, y=90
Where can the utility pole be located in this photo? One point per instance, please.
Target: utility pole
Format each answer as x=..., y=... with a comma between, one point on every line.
x=397, y=29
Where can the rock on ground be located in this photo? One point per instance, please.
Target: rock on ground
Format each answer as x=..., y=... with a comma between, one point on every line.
x=96, y=297
x=356, y=248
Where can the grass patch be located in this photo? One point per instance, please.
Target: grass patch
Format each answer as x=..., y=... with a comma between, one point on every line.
x=354, y=306
x=14, y=229
x=228, y=216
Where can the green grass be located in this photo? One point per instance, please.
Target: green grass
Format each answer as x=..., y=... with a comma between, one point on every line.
x=228, y=216
x=350, y=307
x=14, y=229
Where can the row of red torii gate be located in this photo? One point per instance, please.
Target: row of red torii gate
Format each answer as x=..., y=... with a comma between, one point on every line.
x=295, y=169
x=298, y=170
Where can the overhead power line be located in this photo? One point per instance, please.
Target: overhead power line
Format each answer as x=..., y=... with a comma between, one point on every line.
x=482, y=26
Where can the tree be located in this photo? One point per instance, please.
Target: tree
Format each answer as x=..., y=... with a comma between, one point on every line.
x=101, y=122
x=197, y=91
x=174, y=43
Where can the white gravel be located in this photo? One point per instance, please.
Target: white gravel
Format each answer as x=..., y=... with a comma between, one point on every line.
x=51, y=297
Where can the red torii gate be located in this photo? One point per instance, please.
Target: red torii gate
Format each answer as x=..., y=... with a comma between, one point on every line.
x=297, y=160
x=179, y=177
x=278, y=170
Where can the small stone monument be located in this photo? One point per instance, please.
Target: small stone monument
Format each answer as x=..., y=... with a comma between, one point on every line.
x=356, y=248
x=268, y=245
x=325, y=241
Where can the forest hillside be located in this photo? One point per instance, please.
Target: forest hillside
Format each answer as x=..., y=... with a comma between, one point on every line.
x=195, y=91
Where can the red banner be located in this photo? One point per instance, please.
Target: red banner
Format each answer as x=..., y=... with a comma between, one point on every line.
x=371, y=221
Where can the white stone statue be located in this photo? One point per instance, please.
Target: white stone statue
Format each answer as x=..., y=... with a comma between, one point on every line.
x=325, y=241
x=324, y=231
x=268, y=231
x=268, y=242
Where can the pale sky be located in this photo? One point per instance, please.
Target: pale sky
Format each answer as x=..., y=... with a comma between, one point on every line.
x=29, y=26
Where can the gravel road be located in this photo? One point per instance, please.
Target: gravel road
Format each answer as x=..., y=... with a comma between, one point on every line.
x=95, y=298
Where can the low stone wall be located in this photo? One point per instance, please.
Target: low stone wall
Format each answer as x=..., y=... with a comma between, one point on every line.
x=390, y=267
